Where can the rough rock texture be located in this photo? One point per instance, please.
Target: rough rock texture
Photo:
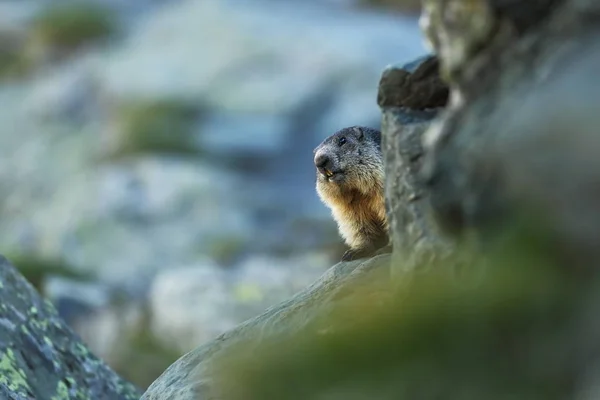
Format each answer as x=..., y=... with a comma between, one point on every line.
x=410, y=98
x=522, y=123
x=41, y=357
x=416, y=86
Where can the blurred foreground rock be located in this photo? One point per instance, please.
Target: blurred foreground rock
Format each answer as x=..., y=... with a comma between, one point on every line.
x=523, y=124
x=41, y=357
x=504, y=186
x=190, y=378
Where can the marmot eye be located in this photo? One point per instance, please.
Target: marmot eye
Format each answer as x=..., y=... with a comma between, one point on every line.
x=341, y=141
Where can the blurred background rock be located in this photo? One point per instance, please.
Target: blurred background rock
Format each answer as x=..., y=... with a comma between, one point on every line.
x=156, y=178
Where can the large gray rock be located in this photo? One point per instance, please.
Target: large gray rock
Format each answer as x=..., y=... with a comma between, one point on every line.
x=411, y=97
x=41, y=356
x=192, y=305
x=534, y=152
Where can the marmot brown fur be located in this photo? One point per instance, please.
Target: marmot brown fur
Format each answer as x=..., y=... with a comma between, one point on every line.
x=350, y=182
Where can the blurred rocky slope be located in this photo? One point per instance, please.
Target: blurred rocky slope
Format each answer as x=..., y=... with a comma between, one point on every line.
x=162, y=151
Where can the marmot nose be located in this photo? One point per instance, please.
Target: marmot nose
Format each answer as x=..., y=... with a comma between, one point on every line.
x=321, y=160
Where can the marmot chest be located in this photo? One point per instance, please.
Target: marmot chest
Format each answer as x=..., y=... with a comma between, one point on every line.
x=361, y=218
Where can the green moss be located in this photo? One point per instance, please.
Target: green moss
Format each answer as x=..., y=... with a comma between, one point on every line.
x=81, y=350
x=70, y=381
x=41, y=324
x=163, y=127
x=71, y=25
x=504, y=329
x=62, y=391
x=11, y=375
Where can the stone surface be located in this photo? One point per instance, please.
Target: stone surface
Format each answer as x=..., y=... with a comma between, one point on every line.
x=411, y=97
x=191, y=305
x=416, y=86
x=455, y=30
x=41, y=357
x=189, y=378
x=475, y=192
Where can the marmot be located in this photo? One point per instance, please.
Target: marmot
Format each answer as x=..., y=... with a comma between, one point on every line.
x=350, y=181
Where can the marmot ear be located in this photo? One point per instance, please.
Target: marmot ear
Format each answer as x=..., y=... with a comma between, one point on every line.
x=359, y=132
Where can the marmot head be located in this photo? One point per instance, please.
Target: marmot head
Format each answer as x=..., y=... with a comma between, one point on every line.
x=350, y=159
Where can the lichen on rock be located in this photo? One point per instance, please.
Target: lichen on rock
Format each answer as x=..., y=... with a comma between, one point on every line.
x=40, y=356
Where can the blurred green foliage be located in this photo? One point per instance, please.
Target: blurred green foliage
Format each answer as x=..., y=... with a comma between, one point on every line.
x=506, y=327
x=226, y=250
x=405, y=6
x=53, y=33
x=73, y=24
x=36, y=268
x=161, y=126
x=142, y=357
x=12, y=61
